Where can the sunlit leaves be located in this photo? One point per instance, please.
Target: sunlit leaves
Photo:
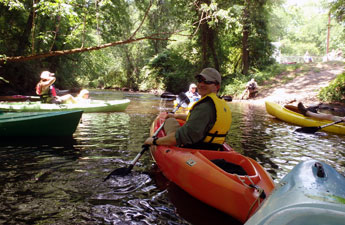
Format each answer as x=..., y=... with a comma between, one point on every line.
x=13, y=4
x=338, y=9
x=302, y=29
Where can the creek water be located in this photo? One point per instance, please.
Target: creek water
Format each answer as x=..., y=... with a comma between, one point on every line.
x=60, y=181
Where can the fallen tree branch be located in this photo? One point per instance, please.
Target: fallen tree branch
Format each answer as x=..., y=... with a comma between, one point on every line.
x=5, y=59
x=157, y=36
x=75, y=50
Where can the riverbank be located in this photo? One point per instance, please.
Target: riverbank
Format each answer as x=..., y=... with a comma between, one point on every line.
x=301, y=85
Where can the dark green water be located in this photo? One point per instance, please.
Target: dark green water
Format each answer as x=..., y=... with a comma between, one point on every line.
x=60, y=181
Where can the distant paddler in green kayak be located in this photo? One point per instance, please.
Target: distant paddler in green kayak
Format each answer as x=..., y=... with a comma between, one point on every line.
x=47, y=92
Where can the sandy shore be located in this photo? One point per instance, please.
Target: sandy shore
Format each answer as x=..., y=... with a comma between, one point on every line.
x=303, y=88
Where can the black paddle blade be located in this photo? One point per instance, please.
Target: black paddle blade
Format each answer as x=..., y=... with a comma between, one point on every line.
x=119, y=172
x=183, y=100
x=307, y=130
x=168, y=95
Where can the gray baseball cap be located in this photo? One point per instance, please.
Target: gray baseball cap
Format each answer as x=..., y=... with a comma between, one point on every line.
x=210, y=74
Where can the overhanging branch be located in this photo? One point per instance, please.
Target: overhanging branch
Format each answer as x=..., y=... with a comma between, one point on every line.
x=76, y=50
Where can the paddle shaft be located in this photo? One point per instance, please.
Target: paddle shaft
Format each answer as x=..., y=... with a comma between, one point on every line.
x=330, y=124
x=145, y=147
x=311, y=130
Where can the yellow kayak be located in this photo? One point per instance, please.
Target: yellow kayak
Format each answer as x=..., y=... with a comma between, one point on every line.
x=290, y=114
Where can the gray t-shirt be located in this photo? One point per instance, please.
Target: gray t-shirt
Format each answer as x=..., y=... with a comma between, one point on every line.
x=201, y=120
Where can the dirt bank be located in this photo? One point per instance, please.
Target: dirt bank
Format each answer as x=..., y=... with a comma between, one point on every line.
x=296, y=86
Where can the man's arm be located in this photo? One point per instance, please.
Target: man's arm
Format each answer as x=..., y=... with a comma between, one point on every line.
x=166, y=140
x=48, y=81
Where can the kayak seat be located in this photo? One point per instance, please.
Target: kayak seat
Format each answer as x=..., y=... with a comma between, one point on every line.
x=229, y=167
x=251, y=175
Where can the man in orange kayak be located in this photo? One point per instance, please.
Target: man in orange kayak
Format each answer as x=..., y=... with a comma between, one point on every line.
x=207, y=123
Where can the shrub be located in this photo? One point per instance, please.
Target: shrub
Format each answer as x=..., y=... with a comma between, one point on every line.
x=335, y=91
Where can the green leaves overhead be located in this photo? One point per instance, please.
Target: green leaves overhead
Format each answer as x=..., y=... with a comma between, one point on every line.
x=184, y=35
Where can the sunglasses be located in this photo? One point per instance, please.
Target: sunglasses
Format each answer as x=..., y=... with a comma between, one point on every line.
x=202, y=79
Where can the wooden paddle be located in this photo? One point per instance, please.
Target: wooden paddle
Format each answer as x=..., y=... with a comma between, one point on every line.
x=181, y=99
x=311, y=130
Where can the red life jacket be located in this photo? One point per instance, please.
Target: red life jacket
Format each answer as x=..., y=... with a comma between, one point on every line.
x=53, y=91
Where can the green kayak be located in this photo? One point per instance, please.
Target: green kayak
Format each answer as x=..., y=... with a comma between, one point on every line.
x=312, y=193
x=39, y=123
x=91, y=106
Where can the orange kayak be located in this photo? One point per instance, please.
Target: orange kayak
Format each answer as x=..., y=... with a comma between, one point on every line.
x=238, y=192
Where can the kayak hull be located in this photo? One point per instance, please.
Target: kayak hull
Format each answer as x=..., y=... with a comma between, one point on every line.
x=312, y=193
x=194, y=172
x=290, y=114
x=93, y=106
x=19, y=98
x=39, y=124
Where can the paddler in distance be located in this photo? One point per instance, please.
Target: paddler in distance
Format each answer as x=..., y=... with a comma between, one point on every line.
x=47, y=92
x=45, y=88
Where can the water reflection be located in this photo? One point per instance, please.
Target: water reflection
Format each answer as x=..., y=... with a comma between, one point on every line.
x=61, y=181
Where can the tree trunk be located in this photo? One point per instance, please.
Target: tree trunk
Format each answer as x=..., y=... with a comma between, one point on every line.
x=24, y=39
x=208, y=37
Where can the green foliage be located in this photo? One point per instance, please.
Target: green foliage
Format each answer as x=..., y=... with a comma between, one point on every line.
x=166, y=61
x=338, y=9
x=304, y=27
x=234, y=86
x=170, y=71
x=335, y=91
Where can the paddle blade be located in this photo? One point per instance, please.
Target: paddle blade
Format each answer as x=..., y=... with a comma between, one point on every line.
x=119, y=172
x=183, y=100
x=168, y=95
x=307, y=130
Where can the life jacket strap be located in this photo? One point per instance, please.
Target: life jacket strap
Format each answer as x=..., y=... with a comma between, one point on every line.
x=214, y=135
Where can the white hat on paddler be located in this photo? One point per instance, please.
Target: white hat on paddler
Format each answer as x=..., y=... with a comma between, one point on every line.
x=46, y=74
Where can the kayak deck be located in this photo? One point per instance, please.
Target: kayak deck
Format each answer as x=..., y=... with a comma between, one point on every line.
x=311, y=193
x=92, y=106
x=237, y=194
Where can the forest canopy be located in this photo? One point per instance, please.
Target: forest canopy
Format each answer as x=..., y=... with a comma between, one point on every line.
x=157, y=44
